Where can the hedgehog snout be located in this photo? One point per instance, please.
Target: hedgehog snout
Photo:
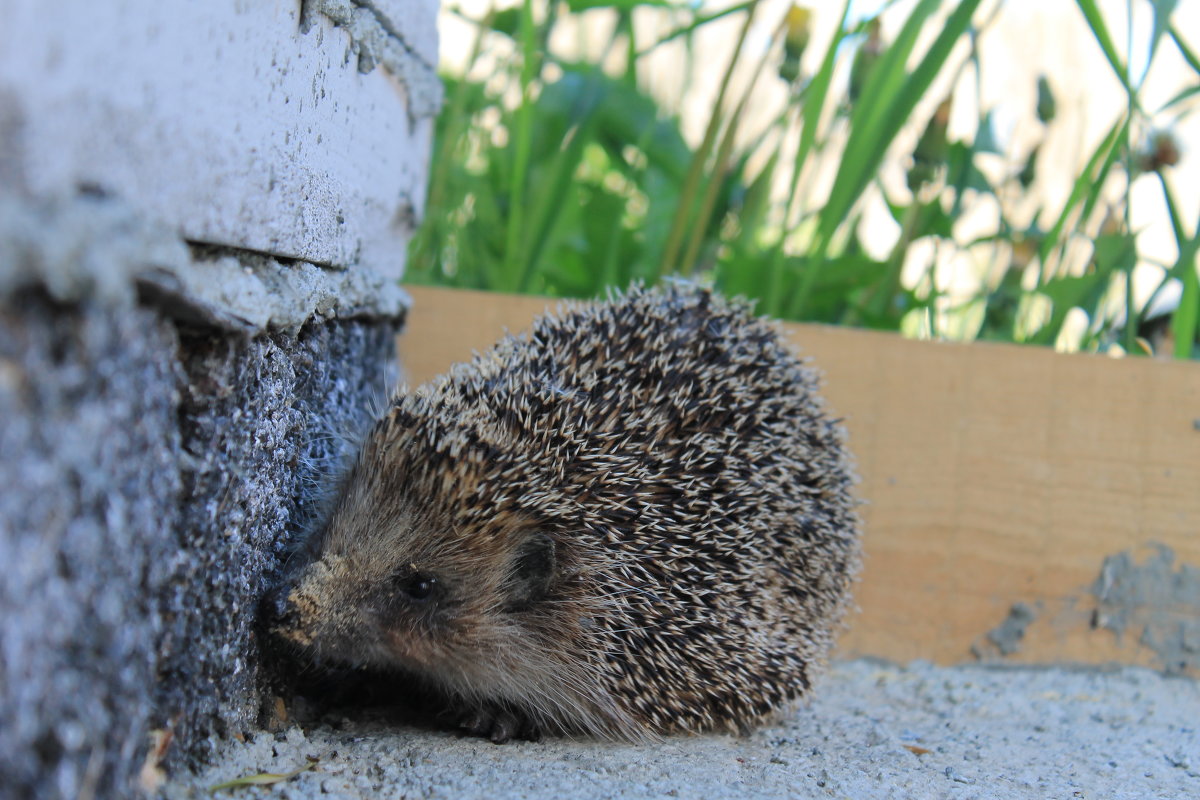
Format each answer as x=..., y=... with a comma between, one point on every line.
x=278, y=617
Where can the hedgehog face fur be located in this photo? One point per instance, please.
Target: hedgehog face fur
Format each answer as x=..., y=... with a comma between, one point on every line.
x=636, y=520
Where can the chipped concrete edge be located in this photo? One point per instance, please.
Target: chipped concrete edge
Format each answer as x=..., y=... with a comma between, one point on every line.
x=376, y=40
x=96, y=247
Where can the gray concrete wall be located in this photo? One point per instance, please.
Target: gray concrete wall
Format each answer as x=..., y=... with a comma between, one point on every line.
x=203, y=214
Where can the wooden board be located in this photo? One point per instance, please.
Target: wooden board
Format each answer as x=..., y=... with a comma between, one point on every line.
x=994, y=475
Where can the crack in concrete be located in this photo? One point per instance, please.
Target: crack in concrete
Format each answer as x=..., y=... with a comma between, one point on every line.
x=132, y=259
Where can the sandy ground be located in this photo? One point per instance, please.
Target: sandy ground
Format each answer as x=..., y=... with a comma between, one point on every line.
x=874, y=731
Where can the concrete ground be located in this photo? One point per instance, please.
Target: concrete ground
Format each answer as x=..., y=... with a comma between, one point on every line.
x=873, y=731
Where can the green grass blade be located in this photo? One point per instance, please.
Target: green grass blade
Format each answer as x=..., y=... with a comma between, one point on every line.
x=554, y=186
x=684, y=210
x=1186, y=319
x=1188, y=54
x=814, y=99
x=1095, y=21
x=889, y=98
x=816, y=94
x=1179, y=98
x=513, y=255
x=889, y=72
x=1163, y=9
x=1087, y=184
x=720, y=170
x=691, y=27
x=873, y=130
x=1173, y=214
x=548, y=206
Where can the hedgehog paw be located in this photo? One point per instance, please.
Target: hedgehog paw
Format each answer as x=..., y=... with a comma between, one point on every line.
x=497, y=724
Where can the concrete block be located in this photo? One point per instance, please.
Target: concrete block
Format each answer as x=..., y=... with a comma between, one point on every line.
x=204, y=209
x=155, y=469
x=230, y=121
x=88, y=515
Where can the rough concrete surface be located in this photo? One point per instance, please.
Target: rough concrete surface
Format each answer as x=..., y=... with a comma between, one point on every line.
x=873, y=731
x=266, y=425
x=87, y=509
x=151, y=482
x=153, y=473
x=394, y=34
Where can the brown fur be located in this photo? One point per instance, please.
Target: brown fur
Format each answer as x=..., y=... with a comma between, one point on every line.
x=636, y=520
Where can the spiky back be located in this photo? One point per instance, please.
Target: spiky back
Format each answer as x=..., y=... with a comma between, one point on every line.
x=698, y=492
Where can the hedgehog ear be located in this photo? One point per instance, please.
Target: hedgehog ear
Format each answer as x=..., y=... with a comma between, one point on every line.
x=533, y=570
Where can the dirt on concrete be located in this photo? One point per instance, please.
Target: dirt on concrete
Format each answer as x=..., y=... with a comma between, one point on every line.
x=874, y=730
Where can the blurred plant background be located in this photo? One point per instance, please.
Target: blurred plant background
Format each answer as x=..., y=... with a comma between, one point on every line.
x=839, y=163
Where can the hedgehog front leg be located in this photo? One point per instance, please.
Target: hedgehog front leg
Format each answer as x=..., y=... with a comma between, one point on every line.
x=500, y=725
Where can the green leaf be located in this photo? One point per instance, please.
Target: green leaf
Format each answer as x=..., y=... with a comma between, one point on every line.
x=961, y=172
x=818, y=91
x=686, y=210
x=985, y=136
x=1084, y=291
x=1029, y=172
x=552, y=179
x=506, y=21
x=1114, y=252
x=1072, y=290
x=1047, y=106
x=1000, y=308
x=839, y=284
x=889, y=95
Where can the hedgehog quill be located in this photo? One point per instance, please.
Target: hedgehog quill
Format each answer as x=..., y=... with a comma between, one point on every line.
x=636, y=520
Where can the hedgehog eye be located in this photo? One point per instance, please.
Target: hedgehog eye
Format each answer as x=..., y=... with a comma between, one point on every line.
x=418, y=586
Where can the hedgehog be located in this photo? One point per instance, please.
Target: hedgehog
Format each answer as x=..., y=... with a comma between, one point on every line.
x=635, y=520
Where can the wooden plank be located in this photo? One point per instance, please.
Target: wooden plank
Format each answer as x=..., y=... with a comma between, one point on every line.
x=994, y=476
